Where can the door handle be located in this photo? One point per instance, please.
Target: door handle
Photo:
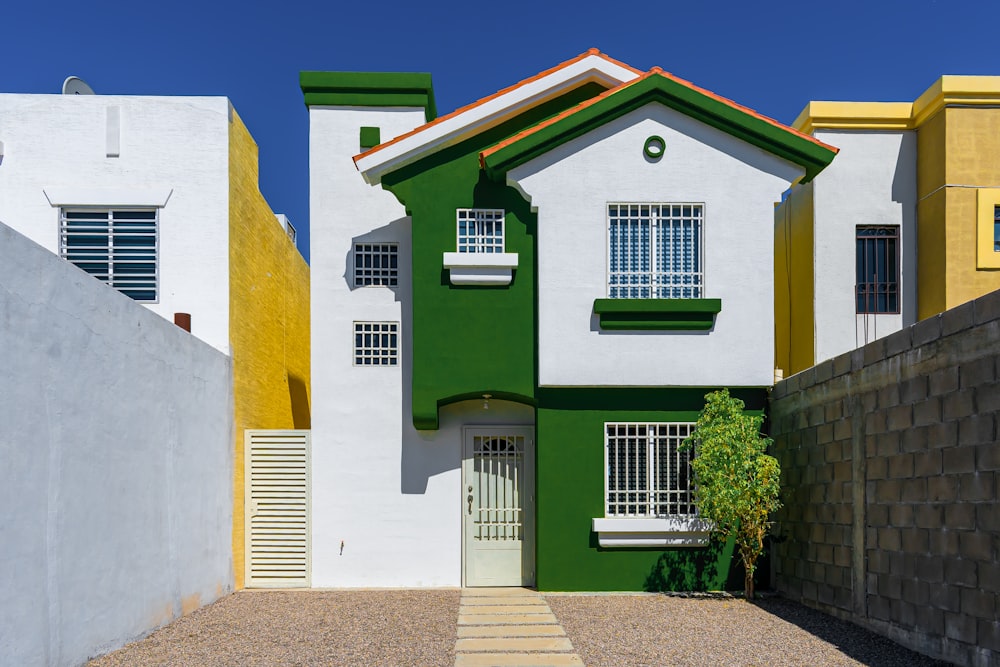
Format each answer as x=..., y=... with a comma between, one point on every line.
x=470, y=503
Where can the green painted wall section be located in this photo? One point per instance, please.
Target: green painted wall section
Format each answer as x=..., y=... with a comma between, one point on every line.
x=470, y=340
x=374, y=89
x=570, y=493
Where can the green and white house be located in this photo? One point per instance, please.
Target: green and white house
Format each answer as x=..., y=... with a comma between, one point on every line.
x=517, y=309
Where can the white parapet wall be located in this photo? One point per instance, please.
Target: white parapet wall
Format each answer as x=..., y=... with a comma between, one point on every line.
x=873, y=182
x=116, y=476
x=99, y=152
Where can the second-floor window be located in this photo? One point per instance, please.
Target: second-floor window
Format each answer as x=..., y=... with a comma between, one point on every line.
x=877, y=266
x=655, y=251
x=480, y=230
x=118, y=247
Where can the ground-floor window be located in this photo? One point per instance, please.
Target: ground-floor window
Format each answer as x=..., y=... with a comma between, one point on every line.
x=648, y=473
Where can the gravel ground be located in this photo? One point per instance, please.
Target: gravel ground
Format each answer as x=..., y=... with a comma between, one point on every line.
x=345, y=628
x=659, y=630
x=403, y=628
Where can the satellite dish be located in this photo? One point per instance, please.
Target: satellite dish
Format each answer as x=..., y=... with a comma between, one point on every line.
x=74, y=85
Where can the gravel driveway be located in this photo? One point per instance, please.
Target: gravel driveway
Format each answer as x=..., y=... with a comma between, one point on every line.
x=362, y=628
x=659, y=630
x=399, y=628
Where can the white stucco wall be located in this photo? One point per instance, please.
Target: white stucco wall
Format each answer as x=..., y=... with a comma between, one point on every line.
x=571, y=187
x=872, y=181
x=116, y=475
x=392, y=496
x=171, y=149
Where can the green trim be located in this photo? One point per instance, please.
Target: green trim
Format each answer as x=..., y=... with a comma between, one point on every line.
x=782, y=142
x=370, y=137
x=369, y=89
x=469, y=340
x=657, y=314
x=654, y=148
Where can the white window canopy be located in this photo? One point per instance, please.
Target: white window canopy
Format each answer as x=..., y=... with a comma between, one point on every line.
x=481, y=268
x=652, y=532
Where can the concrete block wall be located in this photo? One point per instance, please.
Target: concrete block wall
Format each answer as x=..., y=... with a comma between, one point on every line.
x=890, y=467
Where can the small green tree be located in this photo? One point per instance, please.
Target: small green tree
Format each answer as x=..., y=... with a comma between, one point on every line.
x=737, y=483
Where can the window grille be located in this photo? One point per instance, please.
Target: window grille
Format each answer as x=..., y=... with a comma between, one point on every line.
x=648, y=474
x=480, y=230
x=996, y=229
x=119, y=248
x=376, y=343
x=877, y=262
x=655, y=251
x=376, y=264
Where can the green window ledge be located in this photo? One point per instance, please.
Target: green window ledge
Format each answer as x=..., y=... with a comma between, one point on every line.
x=657, y=314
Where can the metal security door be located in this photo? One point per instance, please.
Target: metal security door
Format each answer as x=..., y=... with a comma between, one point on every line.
x=277, y=509
x=498, y=506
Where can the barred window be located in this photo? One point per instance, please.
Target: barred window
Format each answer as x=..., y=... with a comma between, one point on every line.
x=118, y=247
x=877, y=266
x=648, y=475
x=655, y=251
x=376, y=264
x=996, y=229
x=376, y=343
x=480, y=230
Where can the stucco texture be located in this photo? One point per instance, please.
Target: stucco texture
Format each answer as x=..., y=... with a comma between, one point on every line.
x=115, y=430
x=958, y=149
x=269, y=320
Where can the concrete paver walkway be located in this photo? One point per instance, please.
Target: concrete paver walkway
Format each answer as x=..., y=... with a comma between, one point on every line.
x=500, y=627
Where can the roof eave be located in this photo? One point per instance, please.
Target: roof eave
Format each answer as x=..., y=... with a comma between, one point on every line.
x=782, y=141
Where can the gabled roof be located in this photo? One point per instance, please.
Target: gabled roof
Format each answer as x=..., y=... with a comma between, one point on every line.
x=659, y=86
x=591, y=66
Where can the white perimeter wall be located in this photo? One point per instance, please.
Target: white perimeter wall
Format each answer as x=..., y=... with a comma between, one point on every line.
x=872, y=181
x=171, y=148
x=390, y=494
x=571, y=187
x=115, y=464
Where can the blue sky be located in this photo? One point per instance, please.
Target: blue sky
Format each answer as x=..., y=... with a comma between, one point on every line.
x=773, y=57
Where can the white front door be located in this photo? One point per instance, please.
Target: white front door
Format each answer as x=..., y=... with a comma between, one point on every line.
x=498, y=506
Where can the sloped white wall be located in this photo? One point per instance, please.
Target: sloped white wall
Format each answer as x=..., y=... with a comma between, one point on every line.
x=115, y=464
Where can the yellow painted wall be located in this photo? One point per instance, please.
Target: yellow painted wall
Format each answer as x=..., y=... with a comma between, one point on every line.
x=931, y=209
x=973, y=147
x=793, y=281
x=269, y=319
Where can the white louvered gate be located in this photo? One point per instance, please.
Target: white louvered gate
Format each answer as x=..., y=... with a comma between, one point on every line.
x=498, y=506
x=277, y=509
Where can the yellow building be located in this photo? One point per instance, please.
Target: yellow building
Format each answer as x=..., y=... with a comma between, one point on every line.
x=902, y=226
x=269, y=321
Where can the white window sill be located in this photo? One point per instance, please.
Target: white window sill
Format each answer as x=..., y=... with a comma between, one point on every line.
x=480, y=268
x=652, y=532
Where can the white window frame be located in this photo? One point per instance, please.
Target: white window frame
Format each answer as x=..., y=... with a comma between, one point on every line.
x=659, y=282
x=373, y=350
x=658, y=493
x=481, y=239
x=382, y=276
x=651, y=529
x=109, y=254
